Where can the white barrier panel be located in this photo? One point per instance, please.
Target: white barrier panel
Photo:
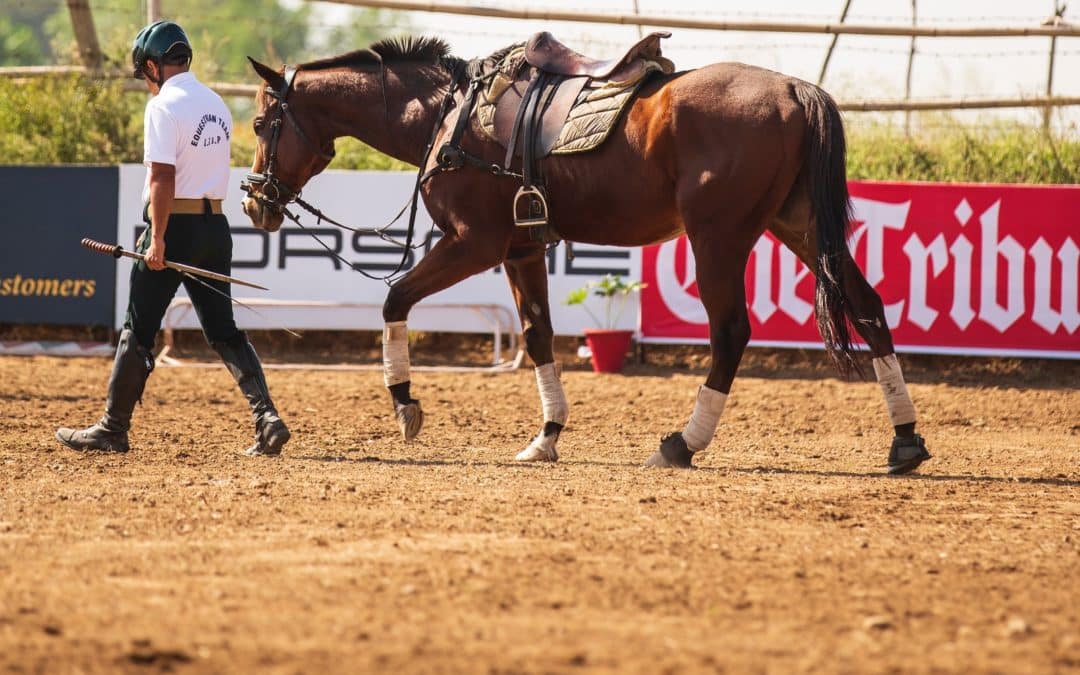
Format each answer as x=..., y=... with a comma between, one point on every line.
x=295, y=268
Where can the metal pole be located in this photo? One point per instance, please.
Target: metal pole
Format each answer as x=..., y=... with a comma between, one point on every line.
x=1050, y=82
x=24, y=73
x=910, y=63
x=832, y=44
x=82, y=21
x=663, y=21
x=1056, y=19
x=640, y=28
x=153, y=11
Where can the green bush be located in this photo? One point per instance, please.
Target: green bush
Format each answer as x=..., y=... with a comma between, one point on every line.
x=953, y=152
x=69, y=120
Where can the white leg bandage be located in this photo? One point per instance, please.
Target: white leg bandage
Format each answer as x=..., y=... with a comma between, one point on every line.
x=901, y=409
x=395, y=353
x=702, y=425
x=552, y=397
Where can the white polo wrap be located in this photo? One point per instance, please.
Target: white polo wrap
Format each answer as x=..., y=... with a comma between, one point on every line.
x=891, y=379
x=395, y=353
x=700, y=429
x=552, y=397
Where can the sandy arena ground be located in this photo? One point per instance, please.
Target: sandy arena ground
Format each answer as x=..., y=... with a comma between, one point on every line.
x=786, y=551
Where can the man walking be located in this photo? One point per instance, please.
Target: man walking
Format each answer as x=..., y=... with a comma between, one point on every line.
x=186, y=150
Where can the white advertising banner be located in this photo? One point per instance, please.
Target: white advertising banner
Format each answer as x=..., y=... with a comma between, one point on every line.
x=309, y=289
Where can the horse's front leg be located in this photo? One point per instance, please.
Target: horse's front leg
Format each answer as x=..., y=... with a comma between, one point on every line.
x=526, y=270
x=452, y=259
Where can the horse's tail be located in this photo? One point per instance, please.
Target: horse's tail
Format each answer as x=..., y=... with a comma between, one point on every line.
x=826, y=171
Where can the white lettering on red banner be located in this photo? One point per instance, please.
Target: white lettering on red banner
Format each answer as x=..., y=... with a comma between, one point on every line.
x=968, y=269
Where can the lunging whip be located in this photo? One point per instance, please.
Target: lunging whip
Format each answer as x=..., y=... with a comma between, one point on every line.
x=117, y=251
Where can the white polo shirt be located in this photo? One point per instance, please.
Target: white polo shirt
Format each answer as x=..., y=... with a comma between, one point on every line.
x=189, y=126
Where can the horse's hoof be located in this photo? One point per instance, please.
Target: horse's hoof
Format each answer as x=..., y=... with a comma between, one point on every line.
x=410, y=419
x=906, y=454
x=673, y=454
x=538, y=451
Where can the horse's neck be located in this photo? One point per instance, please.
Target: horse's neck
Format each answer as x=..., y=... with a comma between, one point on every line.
x=399, y=121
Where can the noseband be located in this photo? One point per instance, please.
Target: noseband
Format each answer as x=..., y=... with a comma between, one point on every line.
x=266, y=188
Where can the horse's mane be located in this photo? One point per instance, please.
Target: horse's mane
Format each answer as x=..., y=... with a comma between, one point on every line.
x=409, y=48
x=499, y=55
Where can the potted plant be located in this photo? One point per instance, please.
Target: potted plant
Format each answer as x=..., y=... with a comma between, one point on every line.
x=607, y=344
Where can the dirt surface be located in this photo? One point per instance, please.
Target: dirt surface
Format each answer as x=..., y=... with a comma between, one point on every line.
x=786, y=551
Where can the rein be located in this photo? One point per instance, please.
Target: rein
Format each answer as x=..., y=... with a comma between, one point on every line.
x=260, y=186
x=274, y=194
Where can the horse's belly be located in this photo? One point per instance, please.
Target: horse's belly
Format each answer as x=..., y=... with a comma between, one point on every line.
x=614, y=195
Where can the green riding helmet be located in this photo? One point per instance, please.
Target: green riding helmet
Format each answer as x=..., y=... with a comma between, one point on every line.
x=160, y=42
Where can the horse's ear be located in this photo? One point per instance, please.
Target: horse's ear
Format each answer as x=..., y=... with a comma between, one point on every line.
x=271, y=76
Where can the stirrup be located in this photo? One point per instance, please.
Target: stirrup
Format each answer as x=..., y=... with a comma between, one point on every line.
x=537, y=212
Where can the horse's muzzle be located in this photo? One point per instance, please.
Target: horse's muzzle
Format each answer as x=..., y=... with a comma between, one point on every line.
x=263, y=202
x=262, y=218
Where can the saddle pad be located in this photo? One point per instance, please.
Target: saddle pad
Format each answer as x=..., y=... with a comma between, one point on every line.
x=591, y=118
x=507, y=70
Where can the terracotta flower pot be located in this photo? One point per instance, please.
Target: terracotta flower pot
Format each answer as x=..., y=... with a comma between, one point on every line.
x=608, y=348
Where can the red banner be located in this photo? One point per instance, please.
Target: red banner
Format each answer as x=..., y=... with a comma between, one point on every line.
x=961, y=269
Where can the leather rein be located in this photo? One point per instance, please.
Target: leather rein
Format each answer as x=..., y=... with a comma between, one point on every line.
x=274, y=194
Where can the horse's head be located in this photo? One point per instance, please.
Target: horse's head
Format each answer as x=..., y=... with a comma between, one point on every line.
x=291, y=148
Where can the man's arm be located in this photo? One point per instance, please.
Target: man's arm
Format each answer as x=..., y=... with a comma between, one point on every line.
x=162, y=193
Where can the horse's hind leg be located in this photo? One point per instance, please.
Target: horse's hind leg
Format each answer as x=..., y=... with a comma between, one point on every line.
x=452, y=259
x=867, y=313
x=526, y=270
x=720, y=277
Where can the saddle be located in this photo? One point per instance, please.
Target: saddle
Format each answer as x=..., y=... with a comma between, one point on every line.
x=546, y=53
x=545, y=98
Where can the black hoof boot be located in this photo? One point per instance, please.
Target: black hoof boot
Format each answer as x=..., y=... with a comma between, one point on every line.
x=673, y=453
x=96, y=438
x=906, y=454
x=271, y=435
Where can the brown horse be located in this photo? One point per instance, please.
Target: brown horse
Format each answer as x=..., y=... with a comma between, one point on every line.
x=722, y=153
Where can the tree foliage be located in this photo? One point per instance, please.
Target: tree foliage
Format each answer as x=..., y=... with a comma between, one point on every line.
x=23, y=41
x=69, y=120
x=19, y=46
x=223, y=32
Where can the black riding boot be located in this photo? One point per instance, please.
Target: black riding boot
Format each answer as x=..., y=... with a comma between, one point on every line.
x=130, y=370
x=242, y=361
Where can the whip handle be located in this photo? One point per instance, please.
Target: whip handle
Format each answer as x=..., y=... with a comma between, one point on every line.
x=98, y=247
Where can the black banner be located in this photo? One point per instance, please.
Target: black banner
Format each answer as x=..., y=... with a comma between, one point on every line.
x=46, y=276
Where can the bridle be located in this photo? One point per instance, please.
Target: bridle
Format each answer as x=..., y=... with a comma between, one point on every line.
x=266, y=188
x=272, y=193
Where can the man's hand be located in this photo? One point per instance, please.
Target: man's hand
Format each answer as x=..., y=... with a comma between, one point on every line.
x=155, y=255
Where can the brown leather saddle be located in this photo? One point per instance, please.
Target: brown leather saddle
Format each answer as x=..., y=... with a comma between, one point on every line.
x=531, y=112
x=543, y=51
